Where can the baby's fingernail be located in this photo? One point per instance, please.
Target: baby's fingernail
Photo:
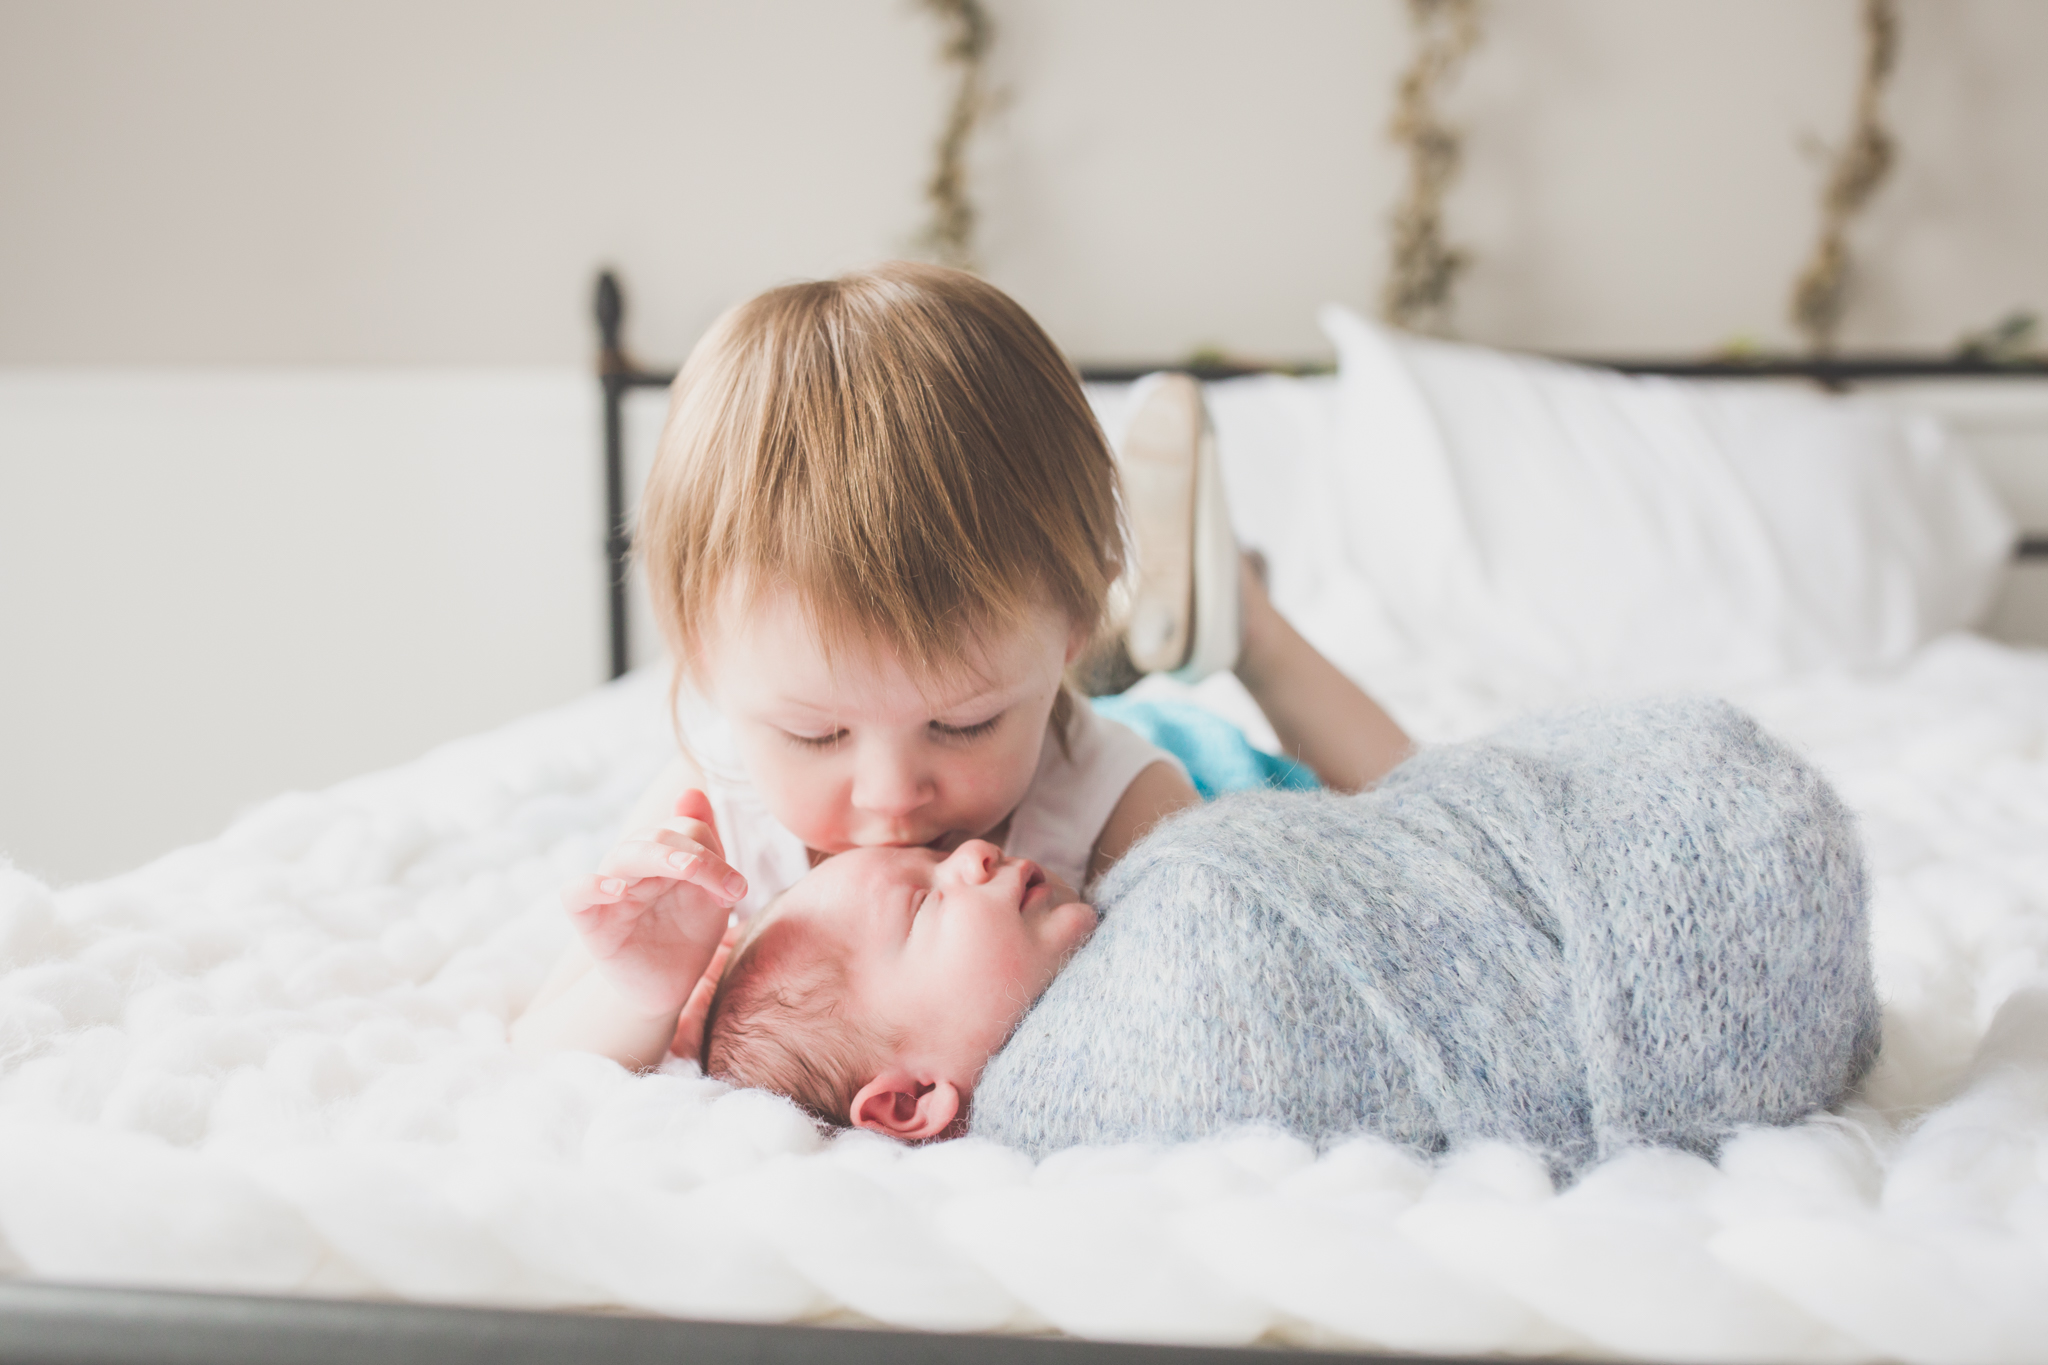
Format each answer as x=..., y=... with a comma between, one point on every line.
x=682, y=862
x=735, y=886
x=611, y=886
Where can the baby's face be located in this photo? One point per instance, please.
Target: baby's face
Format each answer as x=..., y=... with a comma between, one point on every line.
x=945, y=950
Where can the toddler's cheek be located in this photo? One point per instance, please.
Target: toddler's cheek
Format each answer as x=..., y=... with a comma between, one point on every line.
x=998, y=782
x=987, y=807
x=820, y=824
x=812, y=809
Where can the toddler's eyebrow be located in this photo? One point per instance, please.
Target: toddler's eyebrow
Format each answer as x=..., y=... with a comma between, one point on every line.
x=1001, y=696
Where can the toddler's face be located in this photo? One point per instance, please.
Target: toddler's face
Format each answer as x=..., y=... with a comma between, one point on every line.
x=946, y=951
x=857, y=752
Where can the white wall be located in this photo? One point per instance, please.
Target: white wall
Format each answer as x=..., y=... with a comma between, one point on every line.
x=221, y=584
x=297, y=458
x=432, y=181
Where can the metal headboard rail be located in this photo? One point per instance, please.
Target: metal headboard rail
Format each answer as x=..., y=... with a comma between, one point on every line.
x=620, y=375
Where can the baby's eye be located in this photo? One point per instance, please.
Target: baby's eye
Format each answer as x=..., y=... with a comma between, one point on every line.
x=815, y=741
x=975, y=731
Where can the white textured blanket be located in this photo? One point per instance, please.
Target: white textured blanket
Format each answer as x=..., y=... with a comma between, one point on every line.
x=276, y=1061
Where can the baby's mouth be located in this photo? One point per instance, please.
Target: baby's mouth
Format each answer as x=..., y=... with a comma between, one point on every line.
x=1034, y=885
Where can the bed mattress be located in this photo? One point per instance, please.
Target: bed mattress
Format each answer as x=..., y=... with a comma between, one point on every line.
x=277, y=1062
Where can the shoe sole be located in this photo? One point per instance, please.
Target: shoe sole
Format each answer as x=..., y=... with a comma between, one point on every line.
x=1161, y=455
x=1219, y=605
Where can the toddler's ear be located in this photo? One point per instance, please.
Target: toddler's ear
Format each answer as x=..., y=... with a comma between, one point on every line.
x=910, y=1110
x=1077, y=640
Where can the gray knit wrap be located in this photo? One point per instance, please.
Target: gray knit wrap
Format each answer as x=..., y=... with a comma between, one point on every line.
x=1617, y=925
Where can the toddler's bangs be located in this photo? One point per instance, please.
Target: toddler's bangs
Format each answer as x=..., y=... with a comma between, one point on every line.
x=903, y=448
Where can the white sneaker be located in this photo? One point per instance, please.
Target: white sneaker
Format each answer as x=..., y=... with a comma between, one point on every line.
x=1177, y=601
x=1219, y=604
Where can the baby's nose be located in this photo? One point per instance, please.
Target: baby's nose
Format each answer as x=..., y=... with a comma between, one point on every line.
x=977, y=859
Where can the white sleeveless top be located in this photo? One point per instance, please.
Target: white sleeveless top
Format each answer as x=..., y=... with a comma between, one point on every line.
x=1056, y=825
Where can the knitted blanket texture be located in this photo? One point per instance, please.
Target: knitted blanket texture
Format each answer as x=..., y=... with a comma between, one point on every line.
x=1627, y=924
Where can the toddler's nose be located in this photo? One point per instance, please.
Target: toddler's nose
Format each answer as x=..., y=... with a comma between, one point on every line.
x=886, y=785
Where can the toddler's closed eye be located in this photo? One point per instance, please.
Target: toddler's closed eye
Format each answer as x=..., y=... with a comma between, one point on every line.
x=974, y=731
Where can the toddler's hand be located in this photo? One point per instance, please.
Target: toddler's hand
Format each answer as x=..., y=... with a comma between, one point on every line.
x=653, y=914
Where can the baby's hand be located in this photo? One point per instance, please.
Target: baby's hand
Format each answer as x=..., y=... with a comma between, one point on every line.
x=653, y=913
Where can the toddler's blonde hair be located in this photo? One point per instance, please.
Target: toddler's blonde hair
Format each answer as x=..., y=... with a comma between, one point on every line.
x=903, y=447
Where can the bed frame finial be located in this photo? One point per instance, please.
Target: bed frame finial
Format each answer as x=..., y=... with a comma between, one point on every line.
x=617, y=374
x=611, y=313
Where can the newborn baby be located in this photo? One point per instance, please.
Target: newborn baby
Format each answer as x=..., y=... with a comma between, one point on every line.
x=1628, y=924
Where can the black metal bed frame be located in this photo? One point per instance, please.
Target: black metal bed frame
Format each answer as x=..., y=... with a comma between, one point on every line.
x=45, y=1324
x=620, y=375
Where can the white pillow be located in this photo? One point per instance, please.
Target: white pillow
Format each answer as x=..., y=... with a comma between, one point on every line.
x=1526, y=520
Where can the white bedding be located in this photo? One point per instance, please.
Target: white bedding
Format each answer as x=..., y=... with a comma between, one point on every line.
x=277, y=1061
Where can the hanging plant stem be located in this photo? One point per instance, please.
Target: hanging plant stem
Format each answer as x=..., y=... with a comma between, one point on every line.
x=1424, y=267
x=1820, y=296
x=949, y=233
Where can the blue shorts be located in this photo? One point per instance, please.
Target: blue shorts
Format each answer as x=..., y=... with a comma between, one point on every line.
x=1218, y=757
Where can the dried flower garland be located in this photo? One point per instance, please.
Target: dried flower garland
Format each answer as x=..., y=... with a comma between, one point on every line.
x=1424, y=267
x=1820, y=296
x=949, y=234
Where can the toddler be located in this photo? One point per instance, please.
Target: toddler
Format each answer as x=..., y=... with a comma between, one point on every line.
x=1640, y=923
x=882, y=526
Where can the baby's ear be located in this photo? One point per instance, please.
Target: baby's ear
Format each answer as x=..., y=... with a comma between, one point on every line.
x=905, y=1108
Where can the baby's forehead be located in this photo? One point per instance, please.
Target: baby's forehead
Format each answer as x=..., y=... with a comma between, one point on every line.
x=861, y=872
x=836, y=902
x=823, y=894
x=784, y=938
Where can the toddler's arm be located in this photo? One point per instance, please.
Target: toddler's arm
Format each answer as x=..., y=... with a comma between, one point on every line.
x=1154, y=794
x=649, y=922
